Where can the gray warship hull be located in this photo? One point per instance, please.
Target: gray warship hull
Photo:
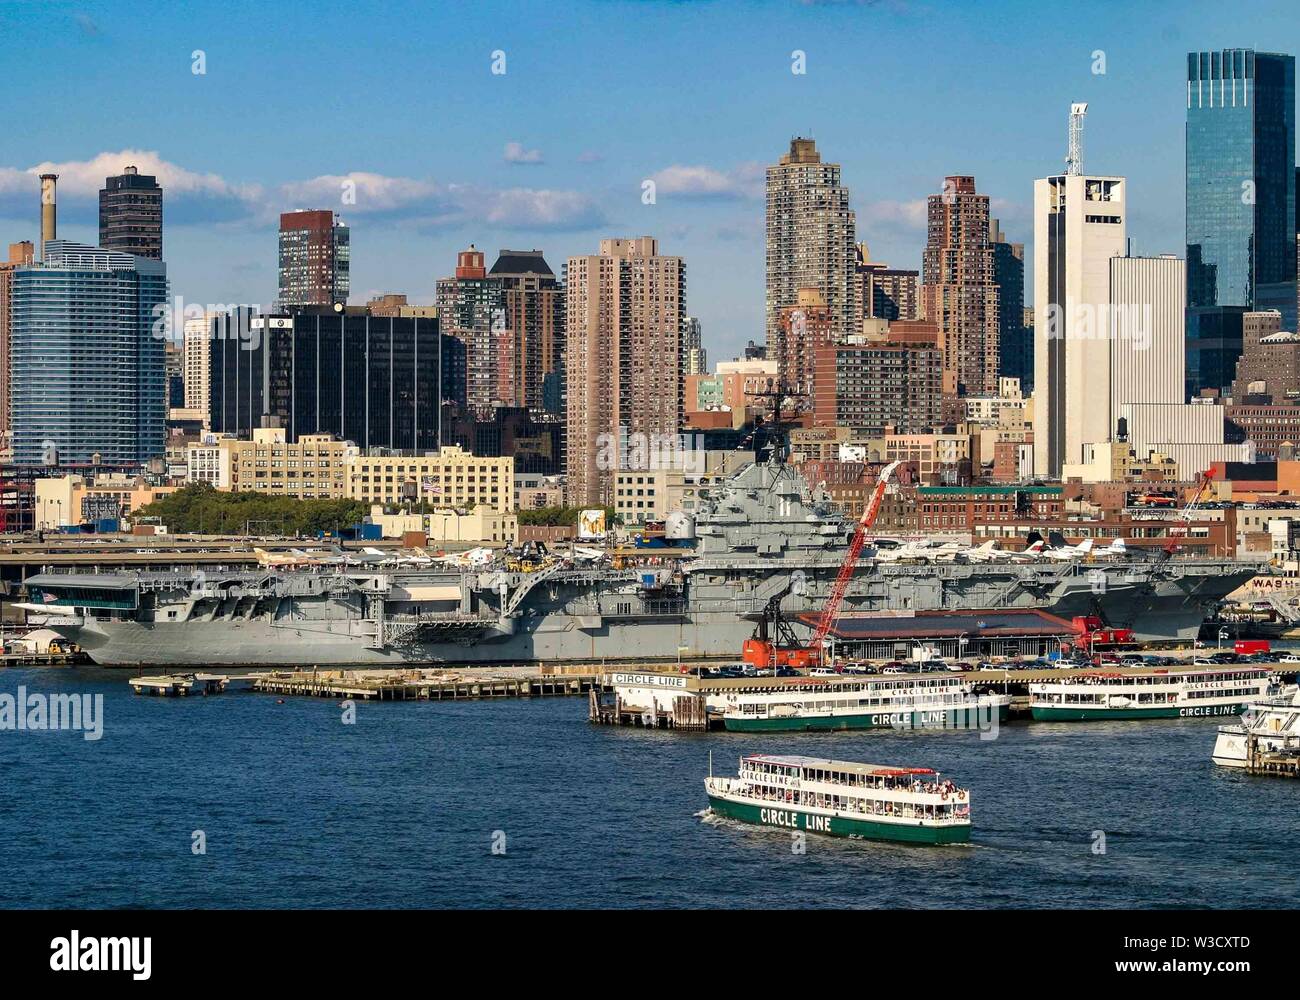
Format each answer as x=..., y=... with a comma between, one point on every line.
x=762, y=537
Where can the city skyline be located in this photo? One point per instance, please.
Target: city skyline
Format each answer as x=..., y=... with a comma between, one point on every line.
x=561, y=181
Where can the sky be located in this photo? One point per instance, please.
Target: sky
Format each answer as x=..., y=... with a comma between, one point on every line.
x=400, y=99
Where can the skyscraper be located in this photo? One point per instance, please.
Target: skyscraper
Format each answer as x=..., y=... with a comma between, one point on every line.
x=1015, y=339
x=810, y=238
x=1241, y=181
x=19, y=254
x=471, y=307
x=1079, y=224
x=695, y=359
x=87, y=357
x=130, y=214
x=196, y=361
x=533, y=299
x=315, y=259
x=624, y=309
x=380, y=382
x=958, y=291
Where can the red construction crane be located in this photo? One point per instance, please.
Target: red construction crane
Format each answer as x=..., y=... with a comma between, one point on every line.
x=831, y=613
x=1205, y=481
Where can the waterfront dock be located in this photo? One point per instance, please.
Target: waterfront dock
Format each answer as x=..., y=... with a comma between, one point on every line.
x=43, y=659
x=181, y=685
x=1270, y=764
x=424, y=684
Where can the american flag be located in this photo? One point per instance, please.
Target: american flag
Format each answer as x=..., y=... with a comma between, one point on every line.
x=429, y=486
x=49, y=598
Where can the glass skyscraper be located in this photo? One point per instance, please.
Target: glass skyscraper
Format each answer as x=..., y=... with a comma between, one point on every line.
x=88, y=371
x=1241, y=192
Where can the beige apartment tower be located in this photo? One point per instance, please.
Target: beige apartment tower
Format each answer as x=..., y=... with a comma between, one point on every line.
x=196, y=368
x=811, y=236
x=624, y=312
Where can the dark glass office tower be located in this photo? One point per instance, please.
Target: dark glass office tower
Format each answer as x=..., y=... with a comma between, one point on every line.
x=1015, y=340
x=378, y=381
x=1214, y=343
x=1241, y=183
x=130, y=214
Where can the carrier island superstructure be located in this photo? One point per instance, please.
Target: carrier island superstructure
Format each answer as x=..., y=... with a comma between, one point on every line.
x=763, y=538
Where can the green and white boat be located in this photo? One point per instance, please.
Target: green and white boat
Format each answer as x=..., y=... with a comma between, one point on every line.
x=1161, y=694
x=945, y=701
x=844, y=799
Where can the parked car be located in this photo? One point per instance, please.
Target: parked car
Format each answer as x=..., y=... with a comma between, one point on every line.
x=1289, y=658
x=892, y=668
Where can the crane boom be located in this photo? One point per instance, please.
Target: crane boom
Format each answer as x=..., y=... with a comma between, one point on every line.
x=831, y=613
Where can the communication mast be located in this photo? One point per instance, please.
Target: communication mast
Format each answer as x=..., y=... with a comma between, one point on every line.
x=1074, y=161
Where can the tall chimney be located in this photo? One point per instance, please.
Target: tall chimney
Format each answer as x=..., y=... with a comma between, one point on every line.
x=49, y=211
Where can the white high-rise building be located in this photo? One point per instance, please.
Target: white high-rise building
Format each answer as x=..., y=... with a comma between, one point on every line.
x=1079, y=225
x=1148, y=332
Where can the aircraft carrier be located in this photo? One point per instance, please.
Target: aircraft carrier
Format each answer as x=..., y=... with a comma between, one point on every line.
x=762, y=535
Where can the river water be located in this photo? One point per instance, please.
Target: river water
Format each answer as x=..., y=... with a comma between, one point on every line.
x=525, y=804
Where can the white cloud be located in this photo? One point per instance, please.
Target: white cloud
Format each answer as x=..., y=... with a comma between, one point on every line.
x=194, y=198
x=697, y=181
x=898, y=214
x=527, y=208
x=515, y=153
x=372, y=192
x=84, y=178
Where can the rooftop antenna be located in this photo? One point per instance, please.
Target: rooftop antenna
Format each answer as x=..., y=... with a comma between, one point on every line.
x=1074, y=161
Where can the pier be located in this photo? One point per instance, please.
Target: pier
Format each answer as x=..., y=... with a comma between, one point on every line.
x=422, y=685
x=182, y=685
x=1270, y=764
x=43, y=659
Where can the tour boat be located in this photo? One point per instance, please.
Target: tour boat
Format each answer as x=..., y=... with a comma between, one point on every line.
x=1161, y=694
x=1273, y=725
x=884, y=702
x=844, y=799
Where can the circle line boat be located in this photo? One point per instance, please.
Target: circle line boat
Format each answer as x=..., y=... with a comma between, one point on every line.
x=844, y=799
x=1162, y=694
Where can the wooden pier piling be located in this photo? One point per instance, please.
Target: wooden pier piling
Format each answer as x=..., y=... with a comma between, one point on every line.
x=1270, y=764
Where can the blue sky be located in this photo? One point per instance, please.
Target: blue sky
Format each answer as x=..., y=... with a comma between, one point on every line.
x=598, y=96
